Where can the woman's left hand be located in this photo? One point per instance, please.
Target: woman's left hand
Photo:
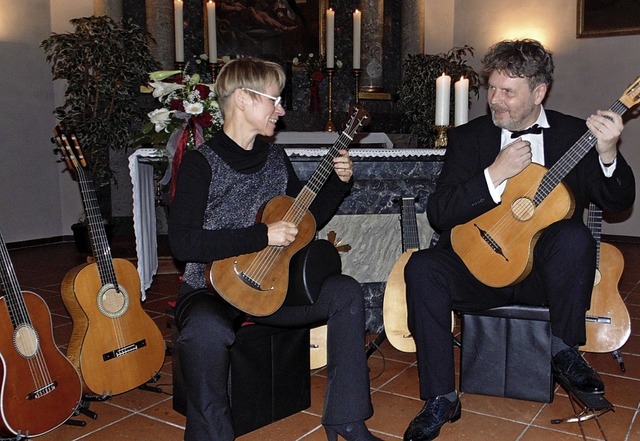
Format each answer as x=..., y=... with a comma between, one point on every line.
x=343, y=166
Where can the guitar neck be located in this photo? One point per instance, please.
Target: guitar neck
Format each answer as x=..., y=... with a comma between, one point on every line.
x=12, y=291
x=409, y=225
x=594, y=222
x=97, y=233
x=568, y=161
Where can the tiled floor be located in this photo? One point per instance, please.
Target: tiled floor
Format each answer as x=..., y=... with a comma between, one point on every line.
x=144, y=415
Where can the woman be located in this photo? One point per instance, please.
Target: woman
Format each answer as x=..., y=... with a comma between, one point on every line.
x=220, y=188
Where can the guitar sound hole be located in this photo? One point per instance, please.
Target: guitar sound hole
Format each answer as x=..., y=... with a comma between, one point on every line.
x=113, y=302
x=523, y=209
x=26, y=341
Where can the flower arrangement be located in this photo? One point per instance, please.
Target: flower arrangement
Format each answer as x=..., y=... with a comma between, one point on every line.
x=315, y=69
x=189, y=116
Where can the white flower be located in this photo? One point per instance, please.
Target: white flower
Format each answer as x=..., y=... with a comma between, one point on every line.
x=339, y=64
x=295, y=61
x=193, y=108
x=161, y=88
x=160, y=119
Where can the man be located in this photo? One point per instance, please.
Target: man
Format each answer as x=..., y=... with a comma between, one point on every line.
x=481, y=158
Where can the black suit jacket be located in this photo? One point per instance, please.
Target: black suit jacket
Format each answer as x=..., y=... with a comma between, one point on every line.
x=462, y=194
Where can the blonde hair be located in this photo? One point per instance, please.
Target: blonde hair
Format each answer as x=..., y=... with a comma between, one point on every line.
x=247, y=72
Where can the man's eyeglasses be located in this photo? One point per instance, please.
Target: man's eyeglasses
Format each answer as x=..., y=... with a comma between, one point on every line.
x=277, y=101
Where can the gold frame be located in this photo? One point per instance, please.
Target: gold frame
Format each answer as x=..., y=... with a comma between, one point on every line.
x=584, y=30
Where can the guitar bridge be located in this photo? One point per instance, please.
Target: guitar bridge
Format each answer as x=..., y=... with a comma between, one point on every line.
x=124, y=350
x=248, y=279
x=492, y=243
x=41, y=392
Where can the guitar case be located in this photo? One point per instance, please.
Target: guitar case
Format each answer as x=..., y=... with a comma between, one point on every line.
x=308, y=270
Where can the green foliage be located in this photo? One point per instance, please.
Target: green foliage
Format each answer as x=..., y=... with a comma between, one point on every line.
x=417, y=92
x=104, y=64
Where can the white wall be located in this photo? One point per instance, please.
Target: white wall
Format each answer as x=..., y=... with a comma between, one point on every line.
x=37, y=200
x=590, y=73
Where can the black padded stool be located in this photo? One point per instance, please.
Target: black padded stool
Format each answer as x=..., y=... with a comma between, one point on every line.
x=269, y=378
x=506, y=352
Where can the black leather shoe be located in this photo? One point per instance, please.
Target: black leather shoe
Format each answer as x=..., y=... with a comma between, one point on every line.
x=435, y=412
x=569, y=365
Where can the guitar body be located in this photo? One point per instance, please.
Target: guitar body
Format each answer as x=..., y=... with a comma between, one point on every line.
x=21, y=376
x=394, y=307
x=608, y=321
x=318, y=347
x=504, y=256
x=257, y=283
x=114, y=344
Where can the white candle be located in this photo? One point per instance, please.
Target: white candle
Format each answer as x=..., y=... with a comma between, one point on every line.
x=357, y=26
x=462, y=101
x=211, y=31
x=178, y=22
x=330, y=25
x=443, y=92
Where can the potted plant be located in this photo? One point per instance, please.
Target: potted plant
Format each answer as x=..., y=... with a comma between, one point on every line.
x=104, y=64
x=417, y=92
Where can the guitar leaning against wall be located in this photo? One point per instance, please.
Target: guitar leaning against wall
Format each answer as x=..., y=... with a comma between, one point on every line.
x=40, y=387
x=114, y=344
x=608, y=321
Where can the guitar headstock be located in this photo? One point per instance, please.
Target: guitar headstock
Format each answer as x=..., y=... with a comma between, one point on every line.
x=359, y=117
x=631, y=96
x=69, y=148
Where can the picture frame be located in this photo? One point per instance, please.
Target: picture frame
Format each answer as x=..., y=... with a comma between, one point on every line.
x=271, y=30
x=606, y=18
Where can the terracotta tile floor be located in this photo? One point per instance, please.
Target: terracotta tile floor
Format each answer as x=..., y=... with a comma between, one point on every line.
x=144, y=415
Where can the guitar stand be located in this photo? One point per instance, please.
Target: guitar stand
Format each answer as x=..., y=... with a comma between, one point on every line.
x=83, y=408
x=146, y=386
x=617, y=356
x=585, y=407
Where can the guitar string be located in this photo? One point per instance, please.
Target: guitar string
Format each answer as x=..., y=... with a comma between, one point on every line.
x=264, y=261
x=102, y=252
x=15, y=302
x=550, y=180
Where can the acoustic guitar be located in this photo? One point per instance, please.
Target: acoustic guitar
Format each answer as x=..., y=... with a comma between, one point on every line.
x=608, y=321
x=497, y=246
x=394, y=305
x=40, y=387
x=114, y=344
x=256, y=283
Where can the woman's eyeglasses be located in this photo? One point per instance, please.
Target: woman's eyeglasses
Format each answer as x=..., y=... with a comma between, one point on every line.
x=277, y=101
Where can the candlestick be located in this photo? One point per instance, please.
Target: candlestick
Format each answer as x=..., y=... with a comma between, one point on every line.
x=330, y=29
x=356, y=92
x=443, y=93
x=357, y=31
x=178, y=23
x=329, y=126
x=211, y=31
x=461, y=89
x=214, y=68
x=441, y=137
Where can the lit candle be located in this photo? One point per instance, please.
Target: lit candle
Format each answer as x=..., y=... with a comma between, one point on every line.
x=178, y=22
x=330, y=25
x=443, y=92
x=357, y=26
x=462, y=101
x=211, y=31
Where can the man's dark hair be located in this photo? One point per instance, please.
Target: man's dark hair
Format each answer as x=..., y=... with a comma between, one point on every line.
x=519, y=59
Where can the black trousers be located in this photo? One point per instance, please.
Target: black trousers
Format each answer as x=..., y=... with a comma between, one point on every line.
x=438, y=282
x=207, y=331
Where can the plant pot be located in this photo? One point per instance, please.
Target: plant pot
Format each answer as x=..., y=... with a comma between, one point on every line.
x=81, y=236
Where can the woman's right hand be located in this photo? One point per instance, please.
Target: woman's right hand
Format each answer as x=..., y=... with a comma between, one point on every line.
x=282, y=233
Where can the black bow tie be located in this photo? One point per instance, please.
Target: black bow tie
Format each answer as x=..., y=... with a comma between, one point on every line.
x=535, y=129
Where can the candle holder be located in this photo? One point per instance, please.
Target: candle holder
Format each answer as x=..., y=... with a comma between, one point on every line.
x=356, y=91
x=180, y=65
x=214, y=68
x=441, y=137
x=329, y=126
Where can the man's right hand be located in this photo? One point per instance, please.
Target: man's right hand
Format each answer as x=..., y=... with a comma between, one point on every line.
x=511, y=160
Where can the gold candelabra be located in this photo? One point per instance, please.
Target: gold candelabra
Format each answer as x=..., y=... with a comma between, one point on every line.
x=214, y=68
x=180, y=65
x=356, y=91
x=441, y=138
x=329, y=126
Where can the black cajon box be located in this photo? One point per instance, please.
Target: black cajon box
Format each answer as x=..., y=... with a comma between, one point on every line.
x=269, y=378
x=506, y=352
